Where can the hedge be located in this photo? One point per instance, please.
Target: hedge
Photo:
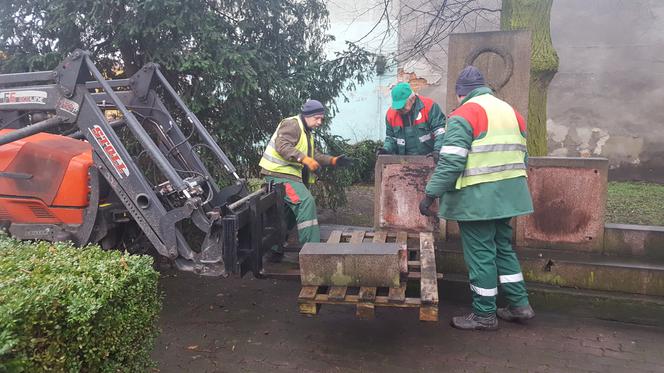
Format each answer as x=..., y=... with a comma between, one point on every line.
x=332, y=182
x=68, y=309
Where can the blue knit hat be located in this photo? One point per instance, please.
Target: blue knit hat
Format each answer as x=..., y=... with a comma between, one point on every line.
x=469, y=78
x=312, y=107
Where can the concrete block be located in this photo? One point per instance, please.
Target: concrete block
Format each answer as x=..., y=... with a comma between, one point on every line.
x=569, y=198
x=366, y=264
x=399, y=188
x=634, y=240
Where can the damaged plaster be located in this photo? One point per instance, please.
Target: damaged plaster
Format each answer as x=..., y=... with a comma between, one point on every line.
x=593, y=142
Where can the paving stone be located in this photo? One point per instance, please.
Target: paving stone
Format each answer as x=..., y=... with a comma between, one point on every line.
x=366, y=264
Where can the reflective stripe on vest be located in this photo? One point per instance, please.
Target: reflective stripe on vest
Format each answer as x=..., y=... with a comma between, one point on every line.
x=274, y=162
x=500, y=154
x=497, y=148
x=493, y=169
x=438, y=132
x=277, y=160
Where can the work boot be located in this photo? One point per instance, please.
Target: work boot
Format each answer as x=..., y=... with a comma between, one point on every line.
x=475, y=322
x=521, y=313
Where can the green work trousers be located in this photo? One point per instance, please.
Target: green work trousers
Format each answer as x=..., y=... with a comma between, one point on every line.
x=301, y=209
x=488, y=253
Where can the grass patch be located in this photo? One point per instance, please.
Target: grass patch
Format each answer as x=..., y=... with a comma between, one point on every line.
x=635, y=203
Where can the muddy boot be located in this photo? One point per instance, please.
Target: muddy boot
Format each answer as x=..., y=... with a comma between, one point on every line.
x=522, y=313
x=475, y=322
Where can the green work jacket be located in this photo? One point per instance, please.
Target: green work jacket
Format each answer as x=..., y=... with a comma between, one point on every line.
x=419, y=132
x=484, y=201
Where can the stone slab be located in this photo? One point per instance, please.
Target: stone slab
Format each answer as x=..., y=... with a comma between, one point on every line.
x=634, y=240
x=343, y=264
x=502, y=56
x=569, y=198
x=575, y=270
x=399, y=187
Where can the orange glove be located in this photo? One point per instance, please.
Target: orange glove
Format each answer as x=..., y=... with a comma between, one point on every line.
x=342, y=161
x=311, y=163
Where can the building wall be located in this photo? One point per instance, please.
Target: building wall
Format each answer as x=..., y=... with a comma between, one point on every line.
x=607, y=98
x=362, y=116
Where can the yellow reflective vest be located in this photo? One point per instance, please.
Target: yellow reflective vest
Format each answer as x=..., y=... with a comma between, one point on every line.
x=274, y=162
x=498, y=155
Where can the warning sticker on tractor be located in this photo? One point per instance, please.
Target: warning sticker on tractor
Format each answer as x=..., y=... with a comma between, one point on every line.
x=109, y=150
x=23, y=97
x=69, y=106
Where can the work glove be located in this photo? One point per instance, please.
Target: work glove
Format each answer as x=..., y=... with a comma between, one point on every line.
x=425, y=204
x=342, y=161
x=311, y=163
x=380, y=151
x=435, y=155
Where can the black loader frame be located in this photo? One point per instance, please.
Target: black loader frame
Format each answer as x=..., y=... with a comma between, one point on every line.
x=179, y=209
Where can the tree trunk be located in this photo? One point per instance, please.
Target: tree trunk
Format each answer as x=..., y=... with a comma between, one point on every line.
x=534, y=15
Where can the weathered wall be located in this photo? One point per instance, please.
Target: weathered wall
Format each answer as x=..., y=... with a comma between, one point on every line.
x=607, y=97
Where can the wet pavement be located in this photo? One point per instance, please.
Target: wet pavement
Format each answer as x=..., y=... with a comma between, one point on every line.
x=250, y=325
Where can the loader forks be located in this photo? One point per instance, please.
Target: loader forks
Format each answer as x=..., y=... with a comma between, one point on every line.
x=155, y=189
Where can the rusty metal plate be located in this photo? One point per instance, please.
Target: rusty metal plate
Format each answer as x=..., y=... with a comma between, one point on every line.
x=569, y=198
x=400, y=183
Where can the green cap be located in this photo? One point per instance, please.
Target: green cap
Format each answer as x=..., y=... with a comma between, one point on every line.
x=400, y=94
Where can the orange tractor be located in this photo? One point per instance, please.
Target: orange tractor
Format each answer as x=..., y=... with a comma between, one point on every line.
x=67, y=172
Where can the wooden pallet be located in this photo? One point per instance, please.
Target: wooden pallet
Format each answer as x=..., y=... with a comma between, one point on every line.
x=421, y=270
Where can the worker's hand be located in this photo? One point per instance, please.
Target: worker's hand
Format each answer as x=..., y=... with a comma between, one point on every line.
x=380, y=151
x=311, y=164
x=425, y=204
x=342, y=161
x=435, y=155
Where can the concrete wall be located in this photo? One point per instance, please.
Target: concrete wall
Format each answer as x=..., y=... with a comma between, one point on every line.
x=608, y=95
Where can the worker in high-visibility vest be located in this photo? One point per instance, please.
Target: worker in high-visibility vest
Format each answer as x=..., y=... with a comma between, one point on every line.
x=290, y=159
x=480, y=179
